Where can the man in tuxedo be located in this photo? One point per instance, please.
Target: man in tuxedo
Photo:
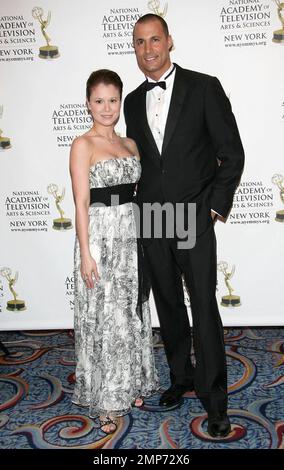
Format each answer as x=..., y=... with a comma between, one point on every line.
x=191, y=152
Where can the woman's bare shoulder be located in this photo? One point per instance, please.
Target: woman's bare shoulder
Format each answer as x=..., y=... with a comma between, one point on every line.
x=82, y=145
x=131, y=145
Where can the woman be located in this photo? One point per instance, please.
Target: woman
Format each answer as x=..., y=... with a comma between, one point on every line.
x=113, y=338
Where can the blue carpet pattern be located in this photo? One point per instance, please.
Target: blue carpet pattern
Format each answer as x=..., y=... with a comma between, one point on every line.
x=37, y=378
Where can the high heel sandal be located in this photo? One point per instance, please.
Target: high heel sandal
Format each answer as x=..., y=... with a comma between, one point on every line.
x=139, y=402
x=107, y=421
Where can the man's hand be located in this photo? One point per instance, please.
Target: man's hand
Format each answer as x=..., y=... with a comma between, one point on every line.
x=216, y=217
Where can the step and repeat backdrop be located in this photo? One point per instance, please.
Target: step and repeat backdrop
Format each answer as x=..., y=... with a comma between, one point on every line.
x=47, y=51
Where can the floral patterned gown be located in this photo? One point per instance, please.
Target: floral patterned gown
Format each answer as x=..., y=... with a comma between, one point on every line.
x=114, y=354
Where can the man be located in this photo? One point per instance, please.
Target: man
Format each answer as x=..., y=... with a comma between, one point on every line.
x=191, y=152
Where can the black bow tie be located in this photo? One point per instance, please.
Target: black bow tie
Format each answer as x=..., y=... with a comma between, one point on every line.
x=151, y=85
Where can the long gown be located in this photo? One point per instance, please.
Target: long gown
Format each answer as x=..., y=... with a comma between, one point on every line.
x=114, y=353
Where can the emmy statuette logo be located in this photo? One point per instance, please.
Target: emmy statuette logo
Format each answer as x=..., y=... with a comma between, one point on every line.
x=228, y=300
x=278, y=180
x=154, y=6
x=4, y=141
x=14, y=305
x=48, y=51
x=61, y=223
x=278, y=36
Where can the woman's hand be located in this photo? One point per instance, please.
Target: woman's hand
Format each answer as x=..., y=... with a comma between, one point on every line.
x=89, y=271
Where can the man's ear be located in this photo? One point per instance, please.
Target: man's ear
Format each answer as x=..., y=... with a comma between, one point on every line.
x=170, y=43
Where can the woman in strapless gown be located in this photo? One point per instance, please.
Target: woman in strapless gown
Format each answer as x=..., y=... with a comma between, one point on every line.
x=112, y=325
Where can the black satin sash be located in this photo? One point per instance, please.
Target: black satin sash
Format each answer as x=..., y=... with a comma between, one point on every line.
x=112, y=195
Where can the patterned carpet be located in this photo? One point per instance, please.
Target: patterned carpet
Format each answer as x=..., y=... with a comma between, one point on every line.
x=36, y=384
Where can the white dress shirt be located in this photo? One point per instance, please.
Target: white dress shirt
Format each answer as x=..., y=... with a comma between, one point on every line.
x=157, y=106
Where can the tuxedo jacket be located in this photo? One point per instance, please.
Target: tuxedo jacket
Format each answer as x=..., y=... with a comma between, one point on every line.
x=202, y=155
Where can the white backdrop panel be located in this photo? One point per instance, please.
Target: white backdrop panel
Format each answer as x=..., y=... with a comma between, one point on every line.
x=43, y=109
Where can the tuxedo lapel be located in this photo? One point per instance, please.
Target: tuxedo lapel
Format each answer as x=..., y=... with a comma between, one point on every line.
x=143, y=125
x=181, y=87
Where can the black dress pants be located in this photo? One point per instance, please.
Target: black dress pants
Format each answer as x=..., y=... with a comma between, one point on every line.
x=167, y=263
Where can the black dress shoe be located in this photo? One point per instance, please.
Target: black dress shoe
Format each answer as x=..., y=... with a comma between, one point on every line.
x=173, y=395
x=218, y=424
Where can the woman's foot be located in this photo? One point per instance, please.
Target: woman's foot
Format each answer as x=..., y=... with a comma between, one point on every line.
x=139, y=402
x=108, y=424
